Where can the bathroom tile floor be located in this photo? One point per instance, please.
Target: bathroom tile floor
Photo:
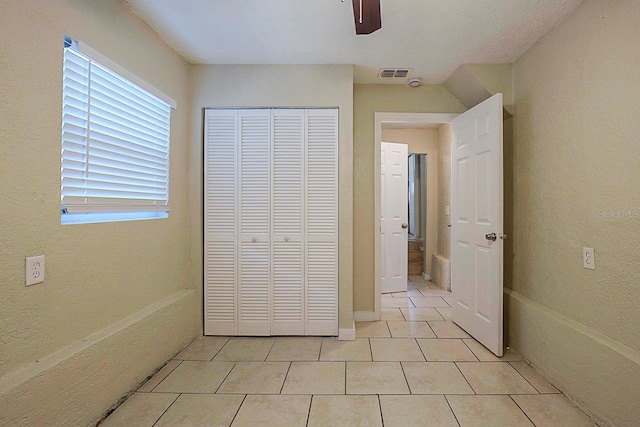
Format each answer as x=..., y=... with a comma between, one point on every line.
x=413, y=368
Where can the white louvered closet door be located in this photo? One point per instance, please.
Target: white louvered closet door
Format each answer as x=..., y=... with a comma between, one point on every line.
x=271, y=222
x=321, y=254
x=220, y=227
x=287, y=222
x=254, y=305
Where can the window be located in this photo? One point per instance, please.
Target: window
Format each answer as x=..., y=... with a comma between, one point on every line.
x=115, y=142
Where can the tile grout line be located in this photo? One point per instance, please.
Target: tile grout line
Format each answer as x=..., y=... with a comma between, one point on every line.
x=470, y=349
x=320, y=350
x=157, y=385
x=557, y=390
x=431, y=329
x=165, y=411
x=309, y=411
x=421, y=350
x=521, y=410
x=238, y=410
x=273, y=344
x=219, y=350
x=451, y=409
x=225, y=377
x=345, y=378
x=405, y=378
x=380, y=409
x=388, y=329
x=525, y=378
x=285, y=377
x=465, y=378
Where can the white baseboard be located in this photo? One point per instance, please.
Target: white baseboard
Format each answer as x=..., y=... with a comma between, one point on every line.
x=79, y=383
x=347, y=334
x=364, y=316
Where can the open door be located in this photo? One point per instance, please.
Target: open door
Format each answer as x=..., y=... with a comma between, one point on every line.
x=477, y=223
x=394, y=213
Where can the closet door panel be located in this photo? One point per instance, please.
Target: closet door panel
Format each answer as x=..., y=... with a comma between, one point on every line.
x=288, y=289
x=253, y=290
x=254, y=195
x=322, y=223
x=287, y=222
x=220, y=231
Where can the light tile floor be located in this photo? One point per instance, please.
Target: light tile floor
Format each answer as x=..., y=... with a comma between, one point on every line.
x=413, y=368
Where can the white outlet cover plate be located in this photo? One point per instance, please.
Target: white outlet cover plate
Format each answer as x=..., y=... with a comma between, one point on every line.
x=588, y=258
x=34, y=271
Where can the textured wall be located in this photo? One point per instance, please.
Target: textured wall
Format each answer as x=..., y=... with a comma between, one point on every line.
x=423, y=141
x=577, y=183
x=96, y=274
x=367, y=100
x=278, y=86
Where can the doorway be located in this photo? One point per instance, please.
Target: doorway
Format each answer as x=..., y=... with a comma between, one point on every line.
x=417, y=195
x=394, y=125
x=476, y=200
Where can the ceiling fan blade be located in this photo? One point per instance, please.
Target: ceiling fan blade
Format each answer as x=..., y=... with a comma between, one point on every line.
x=366, y=14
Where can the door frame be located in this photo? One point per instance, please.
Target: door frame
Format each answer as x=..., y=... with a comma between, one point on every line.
x=402, y=120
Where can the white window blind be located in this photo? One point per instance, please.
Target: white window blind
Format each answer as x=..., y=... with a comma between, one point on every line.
x=115, y=141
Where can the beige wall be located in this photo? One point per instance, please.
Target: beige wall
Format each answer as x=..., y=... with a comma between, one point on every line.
x=577, y=158
x=423, y=141
x=444, y=189
x=105, y=283
x=419, y=141
x=278, y=86
x=367, y=100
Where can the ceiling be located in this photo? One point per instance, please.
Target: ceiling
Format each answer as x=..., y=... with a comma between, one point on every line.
x=431, y=37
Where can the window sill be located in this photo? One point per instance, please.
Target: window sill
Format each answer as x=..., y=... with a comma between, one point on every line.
x=89, y=218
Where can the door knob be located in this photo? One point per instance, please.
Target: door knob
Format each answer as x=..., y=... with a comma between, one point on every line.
x=491, y=236
x=405, y=225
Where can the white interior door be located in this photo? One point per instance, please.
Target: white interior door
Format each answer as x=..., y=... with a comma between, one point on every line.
x=477, y=217
x=393, y=220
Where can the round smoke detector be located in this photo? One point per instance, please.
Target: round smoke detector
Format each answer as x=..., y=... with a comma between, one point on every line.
x=415, y=82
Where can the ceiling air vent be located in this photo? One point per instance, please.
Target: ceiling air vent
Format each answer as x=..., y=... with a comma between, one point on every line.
x=394, y=72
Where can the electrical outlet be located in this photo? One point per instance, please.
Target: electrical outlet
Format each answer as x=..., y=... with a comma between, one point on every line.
x=588, y=258
x=34, y=270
